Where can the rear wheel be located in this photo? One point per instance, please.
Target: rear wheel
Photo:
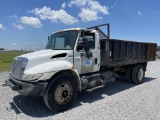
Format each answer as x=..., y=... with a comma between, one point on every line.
x=138, y=74
x=61, y=93
x=128, y=73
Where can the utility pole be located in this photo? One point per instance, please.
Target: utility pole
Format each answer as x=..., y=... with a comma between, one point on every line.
x=41, y=45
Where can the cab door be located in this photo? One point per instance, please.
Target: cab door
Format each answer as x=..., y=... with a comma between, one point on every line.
x=91, y=63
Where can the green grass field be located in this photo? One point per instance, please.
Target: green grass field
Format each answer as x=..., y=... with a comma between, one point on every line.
x=6, y=60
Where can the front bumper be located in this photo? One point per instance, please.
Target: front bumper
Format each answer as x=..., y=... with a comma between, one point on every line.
x=26, y=88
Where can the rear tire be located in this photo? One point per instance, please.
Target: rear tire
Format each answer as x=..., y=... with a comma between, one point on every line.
x=138, y=74
x=128, y=73
x=61, y=93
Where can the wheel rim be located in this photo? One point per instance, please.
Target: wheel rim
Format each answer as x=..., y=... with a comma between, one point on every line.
x=63, y=93
x=140, y=74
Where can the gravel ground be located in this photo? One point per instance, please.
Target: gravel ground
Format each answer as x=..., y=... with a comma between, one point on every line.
x=119, y=100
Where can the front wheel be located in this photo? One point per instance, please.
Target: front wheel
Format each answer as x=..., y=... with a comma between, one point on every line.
x=61, y=93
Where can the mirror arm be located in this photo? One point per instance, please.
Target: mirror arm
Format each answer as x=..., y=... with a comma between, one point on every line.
x=49, y=37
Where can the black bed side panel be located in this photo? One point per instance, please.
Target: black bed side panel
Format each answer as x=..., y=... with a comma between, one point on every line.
x=122, y=52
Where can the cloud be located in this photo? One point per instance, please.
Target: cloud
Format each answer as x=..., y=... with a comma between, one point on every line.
x=95, y=6
x=91, y=4
x=90, y=9
x=114, y=4
x=139, y=13
x=14, y=44
x=124, y=8
x=63, y=5
x=88, y=15
x=54, y=15
x=78, y=2
x=14, y=16
x=35, y=22
x=18, y=26
x=2, y=27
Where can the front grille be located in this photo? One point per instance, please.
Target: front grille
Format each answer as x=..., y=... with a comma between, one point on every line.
x=17, y=68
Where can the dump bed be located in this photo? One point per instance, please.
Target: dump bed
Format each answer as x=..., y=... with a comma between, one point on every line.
x=116, y=52
x=120, y=52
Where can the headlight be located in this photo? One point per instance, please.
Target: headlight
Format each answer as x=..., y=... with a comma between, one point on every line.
x=31, y=77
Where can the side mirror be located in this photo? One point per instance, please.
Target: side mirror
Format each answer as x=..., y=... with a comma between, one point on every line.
x=86, y=47
x=83, y=43
x=80, y=45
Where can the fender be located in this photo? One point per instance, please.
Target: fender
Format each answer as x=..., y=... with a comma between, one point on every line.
x=79, y=80
x=52, y=67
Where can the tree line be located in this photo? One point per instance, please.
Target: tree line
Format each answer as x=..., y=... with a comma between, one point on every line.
x=1, y=48
x=158, y=48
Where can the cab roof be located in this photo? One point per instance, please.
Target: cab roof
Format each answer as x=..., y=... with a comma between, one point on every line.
x=73, y=29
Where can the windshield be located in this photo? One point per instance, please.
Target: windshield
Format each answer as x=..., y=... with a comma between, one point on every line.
x=62, y=40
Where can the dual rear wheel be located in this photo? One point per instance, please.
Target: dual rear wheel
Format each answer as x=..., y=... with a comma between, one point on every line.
x=135, y=74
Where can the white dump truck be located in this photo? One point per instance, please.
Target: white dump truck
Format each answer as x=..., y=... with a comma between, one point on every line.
x=77, y=59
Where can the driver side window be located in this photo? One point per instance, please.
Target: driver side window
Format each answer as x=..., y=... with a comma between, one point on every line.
x=91, y=40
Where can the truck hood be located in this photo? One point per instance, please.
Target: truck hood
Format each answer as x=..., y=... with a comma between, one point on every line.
x=44, y=55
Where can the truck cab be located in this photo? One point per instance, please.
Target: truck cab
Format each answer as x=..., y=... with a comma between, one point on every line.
x=69, y=52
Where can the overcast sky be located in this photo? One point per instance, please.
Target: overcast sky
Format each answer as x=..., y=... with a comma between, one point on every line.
x=25, y=24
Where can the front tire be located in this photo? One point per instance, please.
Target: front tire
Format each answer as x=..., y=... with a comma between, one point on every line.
x=138, y=74
x=61, y=93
